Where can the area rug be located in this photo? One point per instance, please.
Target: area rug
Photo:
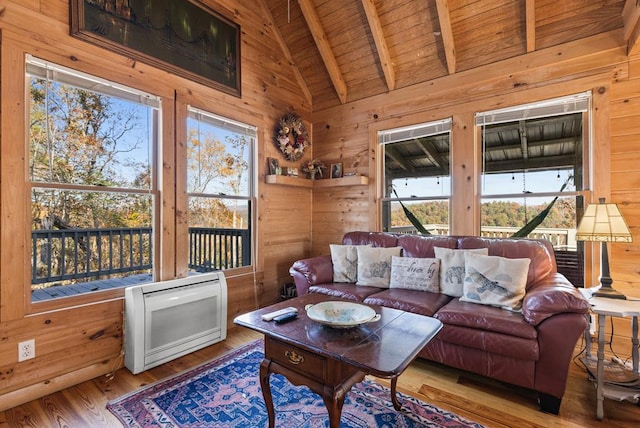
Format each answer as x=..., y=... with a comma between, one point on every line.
x=226, y=393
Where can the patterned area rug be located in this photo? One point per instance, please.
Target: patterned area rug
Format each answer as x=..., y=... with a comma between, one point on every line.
x=226, y=393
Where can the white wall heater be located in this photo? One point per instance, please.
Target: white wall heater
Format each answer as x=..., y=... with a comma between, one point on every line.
x=168, y=319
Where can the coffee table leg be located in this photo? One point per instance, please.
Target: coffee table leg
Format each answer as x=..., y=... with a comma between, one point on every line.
x=266, y=391
x=394, y=396
x=334, y=407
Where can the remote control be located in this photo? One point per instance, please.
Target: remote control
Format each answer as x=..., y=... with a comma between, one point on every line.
x=272, y=315
x=281, y=319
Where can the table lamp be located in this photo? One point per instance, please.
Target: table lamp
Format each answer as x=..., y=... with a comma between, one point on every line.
x=603, y=223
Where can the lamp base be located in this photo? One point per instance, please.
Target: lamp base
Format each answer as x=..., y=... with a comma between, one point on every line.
x=609, y=293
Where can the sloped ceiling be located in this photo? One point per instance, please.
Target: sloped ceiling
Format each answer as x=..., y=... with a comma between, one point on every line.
x=348, y=50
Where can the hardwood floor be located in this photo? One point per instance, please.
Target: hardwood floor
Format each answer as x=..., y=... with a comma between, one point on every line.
x=490, y=403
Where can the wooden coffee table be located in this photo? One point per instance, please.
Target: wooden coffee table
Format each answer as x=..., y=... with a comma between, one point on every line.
x=331, y=360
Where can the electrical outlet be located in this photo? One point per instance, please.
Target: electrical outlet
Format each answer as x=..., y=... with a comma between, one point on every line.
x=26, y=350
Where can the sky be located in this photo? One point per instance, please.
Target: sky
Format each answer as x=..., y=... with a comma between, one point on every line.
x=491, y=184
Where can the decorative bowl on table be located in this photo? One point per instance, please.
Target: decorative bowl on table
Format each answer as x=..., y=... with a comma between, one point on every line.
x=340, y=314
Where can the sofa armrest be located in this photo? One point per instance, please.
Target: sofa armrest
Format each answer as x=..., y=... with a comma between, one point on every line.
x=557, y=338
x=551, y=296
x=308, y=272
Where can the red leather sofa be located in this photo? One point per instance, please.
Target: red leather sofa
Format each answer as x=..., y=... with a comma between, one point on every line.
x=531, y=349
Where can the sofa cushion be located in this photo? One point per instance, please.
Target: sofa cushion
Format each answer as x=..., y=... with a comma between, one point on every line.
x=346, y=291
x=489, y=318
x=376, y=239
x=415, y=274
x=374, y=265
x=418, y=302
x=491, y=341
x=423, y=245
x=507, y=369
x=452, y=269
x=540, y=251
x=345, y=263
x=495, y=280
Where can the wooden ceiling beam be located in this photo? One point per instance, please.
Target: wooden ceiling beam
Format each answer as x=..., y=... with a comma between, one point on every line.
x=530, y=22
x=447, y=34
x=630, y=18
x=322, y=43
x=381, y=44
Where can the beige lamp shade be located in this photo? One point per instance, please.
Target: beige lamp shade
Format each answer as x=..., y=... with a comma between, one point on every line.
x=604, y=223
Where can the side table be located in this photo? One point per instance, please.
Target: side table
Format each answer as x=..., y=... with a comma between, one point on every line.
x=605, y=307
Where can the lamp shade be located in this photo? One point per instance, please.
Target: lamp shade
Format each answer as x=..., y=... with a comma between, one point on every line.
x=604, y=223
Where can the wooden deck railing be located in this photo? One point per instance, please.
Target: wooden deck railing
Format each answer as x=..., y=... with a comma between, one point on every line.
x=216, y=249
x=559, y=238
x=59, y=255
x=569, y=259
x=71, y=254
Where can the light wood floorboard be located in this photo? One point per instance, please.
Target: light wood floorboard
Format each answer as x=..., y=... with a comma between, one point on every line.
x=490, y=403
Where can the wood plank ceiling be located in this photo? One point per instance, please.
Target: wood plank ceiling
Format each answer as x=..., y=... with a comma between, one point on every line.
x=350, y=50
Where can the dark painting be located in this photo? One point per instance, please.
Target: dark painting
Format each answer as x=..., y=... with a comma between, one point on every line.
x=179, y=36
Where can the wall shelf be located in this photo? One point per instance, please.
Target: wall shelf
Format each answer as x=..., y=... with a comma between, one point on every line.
x=284, y=180
x=353, y=180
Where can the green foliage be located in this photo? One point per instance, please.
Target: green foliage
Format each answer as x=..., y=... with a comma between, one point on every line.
x=495, y=213
x=436, y=212
x=417, y=223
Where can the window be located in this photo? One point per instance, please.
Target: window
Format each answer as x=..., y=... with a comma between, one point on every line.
x=91, y=153
x=416, y=178
x=533, y=157
x=220, y=191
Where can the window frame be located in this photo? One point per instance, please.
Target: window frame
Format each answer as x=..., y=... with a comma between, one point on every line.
x=399, y=135
x=250, y=131
x=44, y=69
x=581, y=103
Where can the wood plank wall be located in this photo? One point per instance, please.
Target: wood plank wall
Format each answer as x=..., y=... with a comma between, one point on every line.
x=598, y=64
x=74, y=344
x=82, y=342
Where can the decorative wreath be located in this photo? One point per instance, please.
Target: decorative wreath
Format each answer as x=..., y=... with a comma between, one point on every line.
x=292, y=137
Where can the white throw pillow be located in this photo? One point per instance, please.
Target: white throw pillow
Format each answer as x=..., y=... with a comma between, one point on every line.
x=374, y=265
x=345, y=263
x=452, y=268
x=415, y=274
x=495, y=281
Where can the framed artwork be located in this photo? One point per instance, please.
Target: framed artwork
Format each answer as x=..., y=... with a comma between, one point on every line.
x=336, y=170
x=273, y=165
x=179, y=36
